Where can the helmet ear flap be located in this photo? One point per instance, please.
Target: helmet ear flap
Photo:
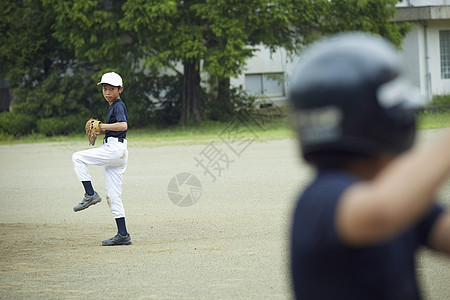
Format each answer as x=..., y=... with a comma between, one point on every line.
x=399, y=101
x=401, y=125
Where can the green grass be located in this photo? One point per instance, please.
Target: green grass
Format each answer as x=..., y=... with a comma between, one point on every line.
x=440, y=100
x=40, y=138
x=433, y=120
x=204, y=133
x=275, y=128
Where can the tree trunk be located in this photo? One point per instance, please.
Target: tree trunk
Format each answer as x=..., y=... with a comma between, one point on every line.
x=221, y=108
x=191, y=99
x=224, y=97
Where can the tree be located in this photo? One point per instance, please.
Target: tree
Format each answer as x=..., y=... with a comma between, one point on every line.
x=235, y=28
x=52, y=51
x=169, y=32
x=364, y=15
x=212, y=36
x=34, y=62
x=90, y=29
x=217, y=36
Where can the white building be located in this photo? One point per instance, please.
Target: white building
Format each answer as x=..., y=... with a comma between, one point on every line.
x=426, y=49
x=426, y=52
x=265, y=75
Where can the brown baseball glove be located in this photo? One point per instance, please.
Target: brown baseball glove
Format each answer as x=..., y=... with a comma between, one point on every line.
x=93, y=130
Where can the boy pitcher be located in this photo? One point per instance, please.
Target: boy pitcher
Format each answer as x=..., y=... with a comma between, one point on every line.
x=112, y=155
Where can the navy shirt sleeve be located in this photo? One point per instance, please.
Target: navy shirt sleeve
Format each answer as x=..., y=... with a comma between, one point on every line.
x=423, y=229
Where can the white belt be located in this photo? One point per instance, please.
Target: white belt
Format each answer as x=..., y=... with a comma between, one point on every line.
x=112, y=139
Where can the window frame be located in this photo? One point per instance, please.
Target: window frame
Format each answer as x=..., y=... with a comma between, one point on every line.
x=444, y=49
x=263, y=77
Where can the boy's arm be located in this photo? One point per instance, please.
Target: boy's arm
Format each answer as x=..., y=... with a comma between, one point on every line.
x=119, y=126
x=401, y=194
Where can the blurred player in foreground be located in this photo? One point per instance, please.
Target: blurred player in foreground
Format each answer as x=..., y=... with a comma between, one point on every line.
x=359, y=223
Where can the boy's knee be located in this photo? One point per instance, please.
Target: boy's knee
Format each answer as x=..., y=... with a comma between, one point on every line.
x=76, y=157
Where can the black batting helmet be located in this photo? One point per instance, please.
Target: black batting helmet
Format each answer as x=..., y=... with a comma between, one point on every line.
x=349, y=99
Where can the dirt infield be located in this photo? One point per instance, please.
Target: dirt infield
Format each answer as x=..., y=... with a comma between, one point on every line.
x=230, y=244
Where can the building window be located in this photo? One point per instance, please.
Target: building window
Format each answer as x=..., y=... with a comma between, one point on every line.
x=268, y=84
x=444, y=45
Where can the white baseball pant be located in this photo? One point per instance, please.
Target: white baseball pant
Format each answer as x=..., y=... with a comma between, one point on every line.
x=113, y=156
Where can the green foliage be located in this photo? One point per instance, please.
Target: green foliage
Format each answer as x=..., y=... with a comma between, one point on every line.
x=239, y=103
x=90, y=29
x=61, y=126
x=440, y=100
x=57, y=95
x=153, y=99
x=16, y=124
x=26, y=43
x=45, y=78
x=52, y=53
x=218, y=32
x=167, y=90
x=363, y=15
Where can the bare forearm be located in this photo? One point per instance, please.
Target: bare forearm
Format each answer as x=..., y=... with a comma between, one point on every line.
x=407, y=187
x=399, y=195
x=119, y=126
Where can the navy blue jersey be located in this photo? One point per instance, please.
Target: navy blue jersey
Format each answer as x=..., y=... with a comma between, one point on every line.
x=117, y=112
x=324, y=268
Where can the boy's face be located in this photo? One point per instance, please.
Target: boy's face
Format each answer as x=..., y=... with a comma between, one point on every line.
x=111, y=93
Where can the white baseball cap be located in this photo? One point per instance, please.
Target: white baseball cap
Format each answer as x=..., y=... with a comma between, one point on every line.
x=111, y=78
